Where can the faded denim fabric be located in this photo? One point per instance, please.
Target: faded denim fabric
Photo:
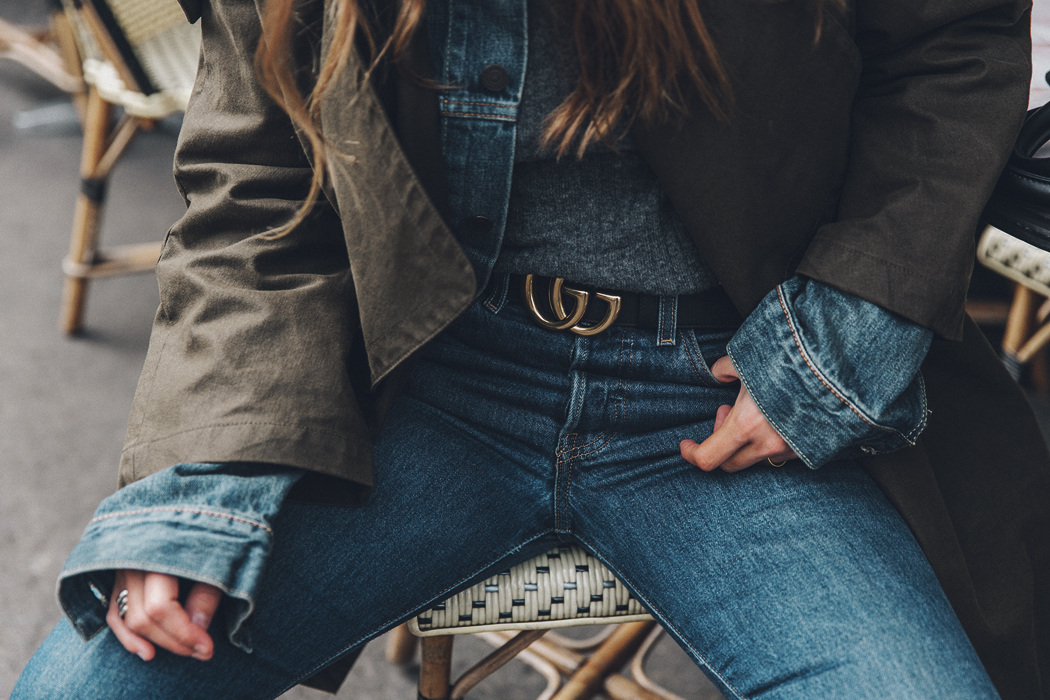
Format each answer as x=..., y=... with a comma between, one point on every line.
x=478, y=124
x=835, y=375
x=205, y=522
x=508, y=441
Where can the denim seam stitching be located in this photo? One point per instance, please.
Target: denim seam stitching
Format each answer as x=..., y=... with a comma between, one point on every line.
x=912, y=436
x=124, y=564
x=599, y=448
x=481, y=116
x=559, y=453
x=663, y=620
x=478, y=104
x=827, y=385
x=619, y=383
x=774, y=424
x=390, y=623
x=627, y=387
x=620, y=405
x=686, y=339
x=565, y=494
x=501, y=291
x=668, y=321
x=172, y=509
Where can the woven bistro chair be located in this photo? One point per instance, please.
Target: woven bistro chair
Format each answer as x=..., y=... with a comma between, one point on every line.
x=139, y=56
x=34, y=50
x=566, y=587
x=1028, y=324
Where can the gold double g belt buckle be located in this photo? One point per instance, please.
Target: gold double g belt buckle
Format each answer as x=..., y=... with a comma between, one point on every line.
x=569, y=321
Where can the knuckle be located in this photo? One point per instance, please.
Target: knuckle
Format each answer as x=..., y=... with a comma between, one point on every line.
x=137, y=623
x=156, y=611
x=698, y=458
x=773, y=445
x=755, y=420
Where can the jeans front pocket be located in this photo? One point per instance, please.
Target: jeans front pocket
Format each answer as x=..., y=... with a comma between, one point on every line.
x=701, y=349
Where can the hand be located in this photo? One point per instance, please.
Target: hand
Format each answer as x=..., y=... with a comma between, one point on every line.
x=742, y=434
x=155, y=615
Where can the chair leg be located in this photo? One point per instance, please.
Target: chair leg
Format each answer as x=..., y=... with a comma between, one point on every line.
x=607, y=659
x=65, y=38
x=401, y=645
x=88, y=211
x=493, y=662
x=1018, y=328
x=435, y=671
x=21, y=46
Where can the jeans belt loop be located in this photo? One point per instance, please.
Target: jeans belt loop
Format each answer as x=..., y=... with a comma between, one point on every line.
x=668, y=320
x=498, y=297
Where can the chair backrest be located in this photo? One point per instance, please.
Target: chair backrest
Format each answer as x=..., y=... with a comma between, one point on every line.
x=141, y=54
x=153, y=41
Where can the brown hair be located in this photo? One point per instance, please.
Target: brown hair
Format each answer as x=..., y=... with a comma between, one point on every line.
x=636, y=58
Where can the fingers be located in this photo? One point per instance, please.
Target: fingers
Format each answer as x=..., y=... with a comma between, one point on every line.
x=168, y=622
x=754, y=453
x=149, y=611
x=742, y=436
x=132, y=581
x=724, y=371
x=712, y=452
x=155, y=616
x=721, y=414
x=202, y=603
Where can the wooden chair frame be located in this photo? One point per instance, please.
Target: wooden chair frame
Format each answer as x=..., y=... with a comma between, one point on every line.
x=1027, y=330
x=553, y=655
x=518, y=610
x=33, y=51
x=105, y=141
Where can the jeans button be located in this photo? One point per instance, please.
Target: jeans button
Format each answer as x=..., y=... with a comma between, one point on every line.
x=479, y=225
x=494, y=78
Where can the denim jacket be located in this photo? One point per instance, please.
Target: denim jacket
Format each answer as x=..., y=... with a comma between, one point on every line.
x=836, y=376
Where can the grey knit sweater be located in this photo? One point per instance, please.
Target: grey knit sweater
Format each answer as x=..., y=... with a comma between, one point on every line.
x=601, y=220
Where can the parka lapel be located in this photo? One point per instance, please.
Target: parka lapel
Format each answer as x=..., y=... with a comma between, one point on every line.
x=411, y=276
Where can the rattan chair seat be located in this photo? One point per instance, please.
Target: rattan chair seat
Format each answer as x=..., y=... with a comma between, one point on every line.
x=566, y=587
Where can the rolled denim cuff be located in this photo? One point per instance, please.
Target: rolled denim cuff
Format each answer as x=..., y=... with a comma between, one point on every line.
x=835, y=376
x=203, y=522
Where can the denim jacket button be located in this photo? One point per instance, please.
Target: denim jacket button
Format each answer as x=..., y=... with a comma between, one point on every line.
x=479, y=225
x=494, y=78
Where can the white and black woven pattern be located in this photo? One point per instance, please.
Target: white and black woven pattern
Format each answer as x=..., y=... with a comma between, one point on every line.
x=141, y=20
x=165, y=45
x=565, y=586
x=1015, y=259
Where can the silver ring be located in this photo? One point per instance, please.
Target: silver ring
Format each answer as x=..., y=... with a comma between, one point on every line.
x=122, y=603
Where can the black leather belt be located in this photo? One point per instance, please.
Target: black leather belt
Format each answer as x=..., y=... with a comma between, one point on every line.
x=602, y=308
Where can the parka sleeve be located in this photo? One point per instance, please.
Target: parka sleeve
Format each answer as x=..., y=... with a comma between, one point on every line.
x=943, y=89
x=251, y=347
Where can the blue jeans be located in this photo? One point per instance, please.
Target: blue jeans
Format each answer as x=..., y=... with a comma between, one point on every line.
x=510, y=439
